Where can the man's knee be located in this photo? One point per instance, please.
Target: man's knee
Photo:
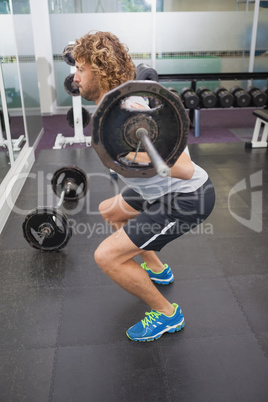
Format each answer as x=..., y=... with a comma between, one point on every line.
x=110, y=210
x=102, y=256
x=99, y=256
x=105, y=208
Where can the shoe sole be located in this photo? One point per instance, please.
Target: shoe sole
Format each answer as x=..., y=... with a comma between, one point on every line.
x=160, y=281
x=171, y=331
x=163, y=282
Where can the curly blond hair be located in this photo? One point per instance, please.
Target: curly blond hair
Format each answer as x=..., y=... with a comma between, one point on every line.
x=107, y=56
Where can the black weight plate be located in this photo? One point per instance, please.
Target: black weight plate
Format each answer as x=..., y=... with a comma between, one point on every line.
x=110, y=120
x=73, y=175
x=67, y=55
x=70, y=86
x=50, y=221
x=85, y=117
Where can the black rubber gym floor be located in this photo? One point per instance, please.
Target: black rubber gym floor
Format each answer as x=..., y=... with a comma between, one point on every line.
x=63, y=322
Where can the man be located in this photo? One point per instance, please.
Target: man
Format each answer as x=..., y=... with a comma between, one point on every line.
x=151, y=211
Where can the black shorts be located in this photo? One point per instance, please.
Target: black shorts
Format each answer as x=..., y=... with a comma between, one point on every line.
x=169, y=217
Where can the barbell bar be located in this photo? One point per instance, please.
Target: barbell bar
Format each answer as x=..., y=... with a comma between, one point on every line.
x=161, y=167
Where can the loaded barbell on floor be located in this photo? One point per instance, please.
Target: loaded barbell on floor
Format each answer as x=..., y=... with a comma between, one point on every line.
x=161, y=131
x=47, y=228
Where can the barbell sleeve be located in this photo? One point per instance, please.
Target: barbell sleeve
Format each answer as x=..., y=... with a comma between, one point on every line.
x=157, y=161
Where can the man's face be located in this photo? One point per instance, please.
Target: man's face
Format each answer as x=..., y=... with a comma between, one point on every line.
x=87, y=82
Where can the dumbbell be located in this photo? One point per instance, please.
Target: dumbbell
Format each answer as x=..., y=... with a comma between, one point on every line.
x=258, y=97
x=189, y=98
x=47, y=228
x=173, y=90
x=85, y=117
x=145, y=72
x=242, y=99
x=225, y=98
x=207, y=97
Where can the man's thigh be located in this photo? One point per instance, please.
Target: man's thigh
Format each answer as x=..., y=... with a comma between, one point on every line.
x=116, y=209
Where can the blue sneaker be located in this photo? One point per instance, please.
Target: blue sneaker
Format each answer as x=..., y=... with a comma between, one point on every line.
x=156, y=324
x=162, y=278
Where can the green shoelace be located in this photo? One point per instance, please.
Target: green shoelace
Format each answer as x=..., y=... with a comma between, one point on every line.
x=150, y=317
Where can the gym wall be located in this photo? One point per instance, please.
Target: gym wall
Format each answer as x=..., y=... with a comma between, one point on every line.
x=191, y=36
x=198, y=41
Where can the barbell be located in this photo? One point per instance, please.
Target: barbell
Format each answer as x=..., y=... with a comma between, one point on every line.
x=47, y=228
x=160, y=131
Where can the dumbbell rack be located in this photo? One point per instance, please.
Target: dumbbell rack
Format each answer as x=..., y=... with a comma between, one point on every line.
x=194, y=114
x=79, y=137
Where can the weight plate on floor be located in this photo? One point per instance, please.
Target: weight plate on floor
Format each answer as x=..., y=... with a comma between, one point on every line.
x=72, y=178
x=47, y=229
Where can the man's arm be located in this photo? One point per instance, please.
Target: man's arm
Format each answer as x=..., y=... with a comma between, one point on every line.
x=182, y=169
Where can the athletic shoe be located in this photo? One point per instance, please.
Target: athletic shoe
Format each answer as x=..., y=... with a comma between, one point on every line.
x=156, y=324
x=162, y=278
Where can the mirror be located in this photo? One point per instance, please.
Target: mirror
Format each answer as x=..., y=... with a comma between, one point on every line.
x=13, y=100
x=28, y=72
x=10, y=75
